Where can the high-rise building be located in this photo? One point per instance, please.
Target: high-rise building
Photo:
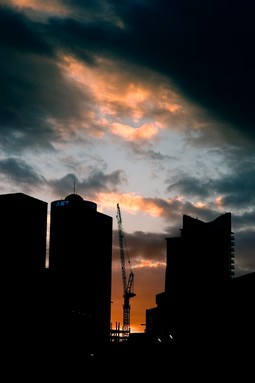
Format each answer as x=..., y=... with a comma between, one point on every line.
x=23, y=228
x=199, y=268
x=80, y=259
x=203, y=256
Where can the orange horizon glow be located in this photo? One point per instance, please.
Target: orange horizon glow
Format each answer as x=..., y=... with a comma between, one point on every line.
x=149, y=280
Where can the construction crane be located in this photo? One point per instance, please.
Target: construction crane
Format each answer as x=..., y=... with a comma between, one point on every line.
x=127, y=283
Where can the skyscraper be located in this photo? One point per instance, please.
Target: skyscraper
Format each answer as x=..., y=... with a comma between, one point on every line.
x=80, y=256
x=200, y=266
x=23, y=228
x=203, y=256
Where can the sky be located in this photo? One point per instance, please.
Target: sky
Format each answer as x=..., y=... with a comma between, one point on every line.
x=145, y=103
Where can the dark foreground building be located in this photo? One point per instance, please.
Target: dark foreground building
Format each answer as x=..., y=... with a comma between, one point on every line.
x=80, y=262
x=23, y=228
x=200, y=266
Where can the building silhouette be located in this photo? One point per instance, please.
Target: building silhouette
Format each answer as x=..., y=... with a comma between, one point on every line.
x=69, y=303
x=199, y=268
x=242, y=315
x=80, y=262
x=23, y=228
x=65, y=309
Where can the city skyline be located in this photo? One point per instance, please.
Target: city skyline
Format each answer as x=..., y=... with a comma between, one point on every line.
x=75, y=291
x=146, y=103
x=72, y=231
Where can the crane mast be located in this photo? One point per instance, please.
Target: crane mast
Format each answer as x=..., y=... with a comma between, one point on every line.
x=127, y=284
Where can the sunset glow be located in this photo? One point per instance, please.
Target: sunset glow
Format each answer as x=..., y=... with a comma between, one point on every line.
x=148, y=104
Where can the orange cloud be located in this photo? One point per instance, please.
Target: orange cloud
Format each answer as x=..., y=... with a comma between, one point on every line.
x=118, y=95
x=45, y=6
x=200, y=205
x=145, y=131
x=219, y=201
x=144, y=263
x=132, y=203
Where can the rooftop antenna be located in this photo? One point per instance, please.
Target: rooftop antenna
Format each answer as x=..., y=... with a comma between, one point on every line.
x=74, y=191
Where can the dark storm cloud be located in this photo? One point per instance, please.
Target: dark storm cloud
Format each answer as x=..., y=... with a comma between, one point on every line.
x=34, y=93
x=236, y=186
x=146, y=245
x=21, y=35
x=96, y=182
x=238, y=189
x=204, y=47
x=191, y=186
x=245, y=220
x=19, y=172
x=141, y=245
x=245, y=245
x=99, y=181
x=149, y=154
x=20, y=106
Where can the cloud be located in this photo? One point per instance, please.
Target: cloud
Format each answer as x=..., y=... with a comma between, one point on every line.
x=204, y=50
x=245, y=244
x=143, y=246
x=93, y=184
x=234, y=183
x=58, y=88
x=37, y=106
x=32, y=7
x=19, y=173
